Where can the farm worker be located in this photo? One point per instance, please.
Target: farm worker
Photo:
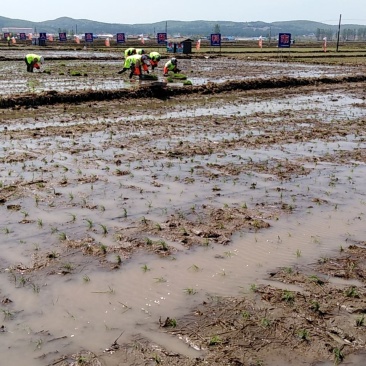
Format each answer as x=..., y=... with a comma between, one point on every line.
x=143, y=64
x=135, y=63
x=140, y=51
x=8, y=39
x=171, y=65
x=33, y=61
x=154, y=59
x=130, y=51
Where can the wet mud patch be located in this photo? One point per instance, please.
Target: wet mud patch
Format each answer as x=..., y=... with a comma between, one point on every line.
x=299, y=317
x=201, y=226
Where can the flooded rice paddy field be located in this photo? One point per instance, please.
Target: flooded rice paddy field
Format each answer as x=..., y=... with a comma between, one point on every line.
x=90, y=70
x=207, y=228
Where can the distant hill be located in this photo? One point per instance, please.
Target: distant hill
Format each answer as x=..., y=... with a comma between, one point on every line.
x=196, y=28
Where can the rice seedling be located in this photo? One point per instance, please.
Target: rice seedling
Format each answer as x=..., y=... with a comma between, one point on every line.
x=360, y=321
x=214, y=340
x=36, y=288
x=145, y=268
x=103, y=249
x=171, y=322
x=206, y=242
x=265, y=322
x=102, y=208
x=6, y=230
x=160, y=280
x=25, y=213
x=62, y=236
x=7, y=314
x=119, y=259
x=22, y=281
x=315, y=306
x=68, y=266
x=90, y=223
x=148, y=241
x=73, y=217
x=52, y=255
x=40, y=223
x=316, y=279
x=303, y=334
x=81, y=360
x=156, y=358
x=163, y=245
x=190, y=291
x=338, y=355
x=298, y=253
x=86, y=278
x=194, y=268
x=351, y=292
x=104, y=228
x=253, y=287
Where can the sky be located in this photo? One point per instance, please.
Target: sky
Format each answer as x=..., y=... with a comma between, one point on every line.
x=147, y=11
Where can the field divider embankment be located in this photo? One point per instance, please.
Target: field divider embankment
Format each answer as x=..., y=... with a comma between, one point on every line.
x=149, y=91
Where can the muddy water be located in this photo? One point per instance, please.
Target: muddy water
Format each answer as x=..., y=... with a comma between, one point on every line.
x=82, y=302
x=96, y=74
x=133, y=299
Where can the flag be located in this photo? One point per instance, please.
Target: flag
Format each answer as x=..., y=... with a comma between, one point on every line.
x=107, y=43
x=77, y=39
x=142, y=39
x=50, y=37
x=325, y=44
x=13, y=40
x=198, y=45
x=30, y=36
x=260, y=42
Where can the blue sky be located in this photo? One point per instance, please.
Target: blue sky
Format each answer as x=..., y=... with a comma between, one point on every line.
x=147, y=11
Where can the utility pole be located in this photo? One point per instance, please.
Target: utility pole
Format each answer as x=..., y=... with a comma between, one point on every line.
x=339, y=30
x=166, y=28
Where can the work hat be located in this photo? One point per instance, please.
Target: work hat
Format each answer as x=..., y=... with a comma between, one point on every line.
x=41, y=60
x=174, y=61
x=145, y=59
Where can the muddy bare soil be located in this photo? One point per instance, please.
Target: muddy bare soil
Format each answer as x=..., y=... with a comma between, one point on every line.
x=216, y=224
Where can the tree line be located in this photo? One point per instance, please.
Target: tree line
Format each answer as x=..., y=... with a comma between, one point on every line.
x=347, y=34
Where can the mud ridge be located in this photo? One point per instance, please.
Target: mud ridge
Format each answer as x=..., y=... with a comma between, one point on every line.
x=55, y=97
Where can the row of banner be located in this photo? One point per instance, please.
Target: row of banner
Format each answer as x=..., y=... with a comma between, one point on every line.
x=284, y=39
x=120, y=37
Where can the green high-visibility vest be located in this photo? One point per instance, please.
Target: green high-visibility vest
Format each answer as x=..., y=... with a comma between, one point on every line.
x=129, y=51
x=155, y=56
x=31, y=56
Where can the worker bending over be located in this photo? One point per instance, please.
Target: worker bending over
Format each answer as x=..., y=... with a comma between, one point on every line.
x=155, y=57
x=130, y=51
x=171, y=66
x=136, y=64
x=33, y=61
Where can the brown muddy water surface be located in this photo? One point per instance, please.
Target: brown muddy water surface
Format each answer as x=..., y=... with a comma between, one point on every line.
x=214, y=227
